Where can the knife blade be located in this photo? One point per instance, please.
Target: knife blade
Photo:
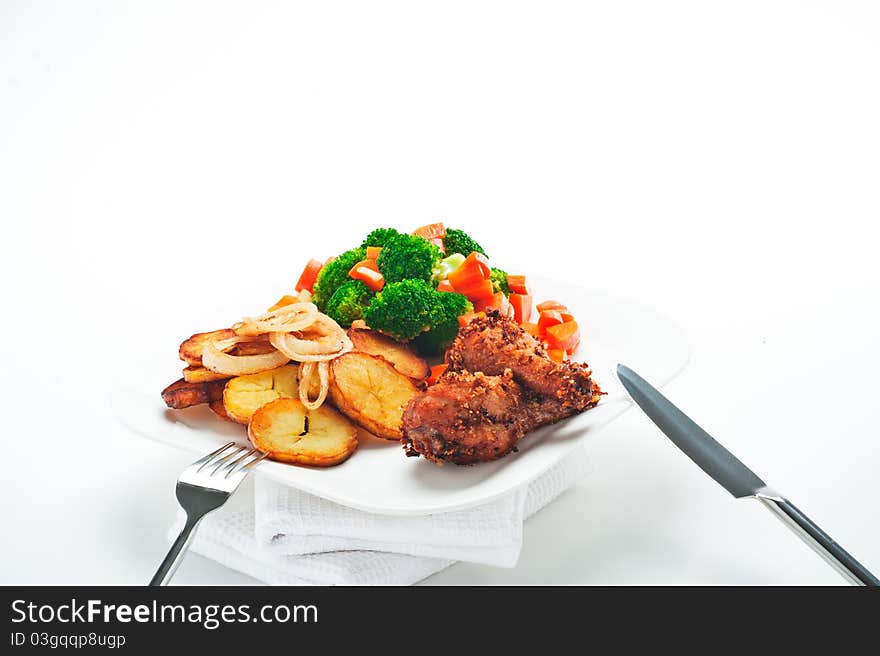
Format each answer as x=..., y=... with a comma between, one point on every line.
x=735, y=477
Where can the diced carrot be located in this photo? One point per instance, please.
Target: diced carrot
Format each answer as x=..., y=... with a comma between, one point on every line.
x=517, y=284
x=549, y=318
x=473, y=270
x=309, y=275
x=522, y=306
x=532, y=329
x=363, y=264
x=466, y=277
x=465, y=319
x=445, y=286
x=551, y=305
x=373, y=252
x=436, y=371
x=557, y=355
x=370, y=277
x=479, y=293
x=499, y=302
x=566, y=317
x=483, y=261
x=431, y=231
x=284, y=300
x=565, y=336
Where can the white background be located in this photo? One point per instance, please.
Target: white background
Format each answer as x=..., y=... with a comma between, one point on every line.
x=719, y=161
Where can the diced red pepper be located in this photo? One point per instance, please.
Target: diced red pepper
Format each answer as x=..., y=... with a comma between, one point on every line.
x=517, y=284
x=431, y=231
x=436, y=371
x=445, y=286
x=522, y=306
x=474, y=269
x=373, y=252
x=549, y=318
x=309, y=275
x=557, y=355
x=532, y=329
x=465, y=319
x=370, y=277
x=551, y=305
x=368, y=264
x=565, y=336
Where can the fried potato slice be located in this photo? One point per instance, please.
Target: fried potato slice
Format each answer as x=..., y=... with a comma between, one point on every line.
x=260, y=346
x=201, y=375
x=244, y=395
x=219, y=409
x=191, y=350
x=288, y=432
x=400, y=355
x=371, y=392
x=182, y=394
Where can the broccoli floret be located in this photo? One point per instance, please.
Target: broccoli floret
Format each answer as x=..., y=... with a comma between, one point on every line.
x=499, y=281
x=406, y=257
x=334, y=274
x=458, y=241
x=379, y=237
x=348, y=302
x=403, y=309
x=444, y=323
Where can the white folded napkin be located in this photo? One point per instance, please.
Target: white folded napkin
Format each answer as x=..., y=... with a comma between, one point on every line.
x=282, y=536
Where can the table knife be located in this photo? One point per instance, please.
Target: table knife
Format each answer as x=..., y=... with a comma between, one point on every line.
x=735, y=477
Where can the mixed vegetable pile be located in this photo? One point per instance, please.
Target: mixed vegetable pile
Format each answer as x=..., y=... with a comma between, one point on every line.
x=422, y=287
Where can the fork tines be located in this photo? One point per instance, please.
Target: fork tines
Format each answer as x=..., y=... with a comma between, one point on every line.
x=229, y=459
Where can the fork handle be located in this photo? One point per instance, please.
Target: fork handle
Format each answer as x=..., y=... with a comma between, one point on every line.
x=175, y=553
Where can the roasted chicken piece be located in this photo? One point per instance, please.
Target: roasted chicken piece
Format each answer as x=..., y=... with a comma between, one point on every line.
x=494, y=344
x=499, y=385
x=464, y=418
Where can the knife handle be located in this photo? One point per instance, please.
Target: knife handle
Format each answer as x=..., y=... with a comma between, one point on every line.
x=817, y=539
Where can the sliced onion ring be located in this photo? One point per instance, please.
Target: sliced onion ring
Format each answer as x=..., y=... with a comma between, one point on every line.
x=331, y=341
x=306, y=373
x=290, y=345
x=216, y=359
x=287, y=318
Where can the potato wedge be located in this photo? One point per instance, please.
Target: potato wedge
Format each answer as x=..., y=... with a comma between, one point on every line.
x=182, y=394
x=371, y=392
x=191, y=350
x=201, y=375
x=244, y=395
x=400, y=355
x=288, y=432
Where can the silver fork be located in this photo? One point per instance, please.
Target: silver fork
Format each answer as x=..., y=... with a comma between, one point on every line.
x=203, y=487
